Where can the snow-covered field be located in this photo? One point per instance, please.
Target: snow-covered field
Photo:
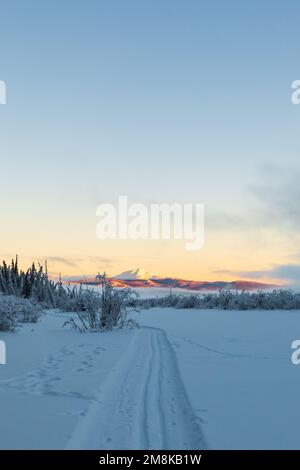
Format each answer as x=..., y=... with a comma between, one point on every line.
x=184, y=379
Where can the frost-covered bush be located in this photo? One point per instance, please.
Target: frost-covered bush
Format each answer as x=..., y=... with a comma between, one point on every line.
x=87, y=304
x=29, y=312
x=103, y=311
x=75, y=299
x=15, y=310
x=115, y=305
x=188, y=301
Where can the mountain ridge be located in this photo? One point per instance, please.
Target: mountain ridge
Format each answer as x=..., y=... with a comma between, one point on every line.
x=137, y=278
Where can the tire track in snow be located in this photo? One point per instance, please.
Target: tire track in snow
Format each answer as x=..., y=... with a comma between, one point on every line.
x=142, y=404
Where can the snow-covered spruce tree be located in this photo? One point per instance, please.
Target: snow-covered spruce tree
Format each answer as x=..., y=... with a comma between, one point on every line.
x=31, y=284
x=8, y=314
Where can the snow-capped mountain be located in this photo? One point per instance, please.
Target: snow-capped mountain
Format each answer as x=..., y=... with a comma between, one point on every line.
x=135, y=274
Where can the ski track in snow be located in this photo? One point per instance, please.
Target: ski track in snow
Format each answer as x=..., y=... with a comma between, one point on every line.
x=142, y=404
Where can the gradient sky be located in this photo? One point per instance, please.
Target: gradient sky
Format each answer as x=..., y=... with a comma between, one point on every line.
x=162, y=101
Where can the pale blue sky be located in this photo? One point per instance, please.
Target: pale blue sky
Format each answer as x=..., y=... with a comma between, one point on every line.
x=160, y=100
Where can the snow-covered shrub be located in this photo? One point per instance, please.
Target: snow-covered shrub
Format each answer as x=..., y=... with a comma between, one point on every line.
x=115, y=305
x=15, y=310
x=103, y=311
x=73, y=299
x=87, y=304
x=187, y=301
x=29, y=312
